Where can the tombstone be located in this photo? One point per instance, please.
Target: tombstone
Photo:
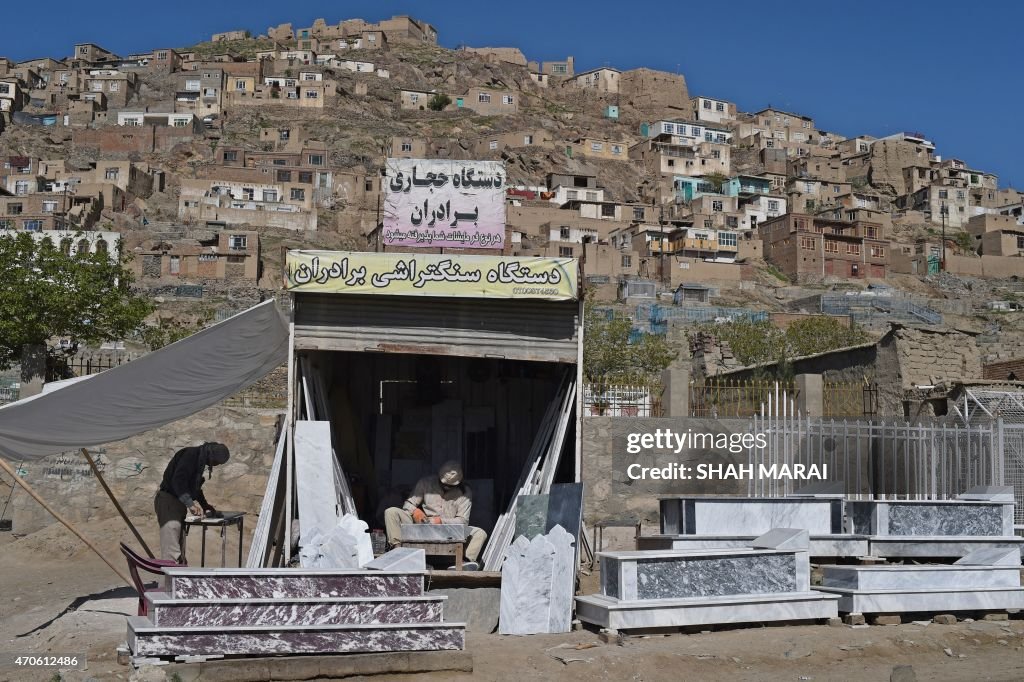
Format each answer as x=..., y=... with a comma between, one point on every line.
x=400, y=559
x=537, y=584
x=531, y=515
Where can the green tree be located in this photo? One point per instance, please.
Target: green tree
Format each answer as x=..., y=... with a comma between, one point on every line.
x=45, y=292
x=820, y=334
x=609, y=357
x=716, y=180
x=438, y=102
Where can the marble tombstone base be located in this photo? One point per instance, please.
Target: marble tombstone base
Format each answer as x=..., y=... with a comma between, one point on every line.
x=749, y=516
x=767, y=581
x=145, y=639
x=931, y=518
x=292, y=611
x=938, y=547
x=831, y=546
x=985, y=580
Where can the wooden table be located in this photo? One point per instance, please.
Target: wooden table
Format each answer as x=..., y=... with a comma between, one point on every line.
x=454, y=549
x=228, y=519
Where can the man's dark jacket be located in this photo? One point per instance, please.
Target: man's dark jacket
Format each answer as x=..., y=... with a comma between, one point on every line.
x=183, y=476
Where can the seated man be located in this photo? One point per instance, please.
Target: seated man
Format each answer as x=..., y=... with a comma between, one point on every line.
x=438, y=499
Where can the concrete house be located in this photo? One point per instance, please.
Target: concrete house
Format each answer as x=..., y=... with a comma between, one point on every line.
x=488, y=101
x=605, y=79
x=710, y=110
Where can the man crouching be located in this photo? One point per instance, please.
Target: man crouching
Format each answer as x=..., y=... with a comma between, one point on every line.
x=443, y=498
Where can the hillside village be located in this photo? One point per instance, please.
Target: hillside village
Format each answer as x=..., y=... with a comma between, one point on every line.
x=205, y=163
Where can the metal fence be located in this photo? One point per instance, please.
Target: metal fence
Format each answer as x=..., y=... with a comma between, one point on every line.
x=58, y=368
x=866, y=309
x=1012, y=442
x=849, y=399
x=878, y=459
x=620, y=400
x=9, y=393
x=719, y=398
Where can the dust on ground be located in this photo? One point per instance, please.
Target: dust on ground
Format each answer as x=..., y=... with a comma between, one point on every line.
x=59, y=597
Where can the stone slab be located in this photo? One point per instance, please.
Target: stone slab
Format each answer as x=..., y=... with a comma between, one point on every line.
x=146, y=640
x=937, y=577
x=315, y=493
x=627, y=615
x=949, y=547
x=783, y=538
x=400, y=559
x=991, y=493
x=531, y=515
x=167, y=612
x=751, y=516
x=186, y=583
x=942, y=601
x=991, y=557
x=477, y=607
x=313, y=667
x=565, y=509
x=922, y=518
x=433, y=532
x=819, y=545
x=537, y=584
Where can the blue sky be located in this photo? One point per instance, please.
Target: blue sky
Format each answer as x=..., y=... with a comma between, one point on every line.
x=950, y=70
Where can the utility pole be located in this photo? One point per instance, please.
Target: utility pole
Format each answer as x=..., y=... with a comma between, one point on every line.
x=943, y=211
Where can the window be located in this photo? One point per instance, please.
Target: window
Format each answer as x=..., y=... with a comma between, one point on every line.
x=5, y=89
x=853, y=249
x=708, y=137
x=773, y=205
x=727, y=238
x=407, y=146
x=959, y=194
x=231, y=156
x=175, y=265
x=248, y=193
x=83, y=50
x=284, y=135
x=835, y=189
x=284, y=176
x=638, y=213
x=769, y=144
x=527, y=139
x=14, y=209
x=854, y=269
x=627, y=261
x=879, y=251
x=279, y=162
x=32, y=225
x=1020, y=243
x=207, y=257
x=306, y=177
x=21, y=187
x=316, y=159
x=133, y=122
x=943, y=194
x=695, y=131
x=312, y=94
x=413, y=98
x=607, y=210
x=506, y=99
x=572, y=194
x=559, y=68
x=753, y=222
x=270, y=195
x=716, y=206
x=238, y=242
x=565, y=252
x=96, y=86
x=309, y=76
x=708, y=223
x=809, y=204
x=493, y=144
x=180, y=122
x=298, y=194
x=49, y=206
x=716, y=154
x=831, y=246
x=596, y=146
x=192, y=86
x=484, y=98
x=807, y=243
x=591, y=196
x=616, y=149
x=239, y=85
x=564, y=233
x=732, y=221
x=719, y=106
x=871, y=232
x=707, y=104
x=6, y=224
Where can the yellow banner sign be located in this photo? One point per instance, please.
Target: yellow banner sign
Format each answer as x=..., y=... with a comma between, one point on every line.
x=427, y=274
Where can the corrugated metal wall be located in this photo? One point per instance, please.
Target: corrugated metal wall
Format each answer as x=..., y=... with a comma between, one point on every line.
x=544, y=331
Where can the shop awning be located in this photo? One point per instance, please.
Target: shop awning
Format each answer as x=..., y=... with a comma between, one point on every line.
x=161, y=387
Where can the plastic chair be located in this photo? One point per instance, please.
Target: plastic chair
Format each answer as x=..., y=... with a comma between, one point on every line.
x=137, y=562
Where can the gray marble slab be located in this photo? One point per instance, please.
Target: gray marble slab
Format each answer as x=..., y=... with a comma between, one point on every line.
x=433, y=532
x=991, y=557
x=145, y=640
x=565, y=508
x=610, y=569
x=945, y=519
x=531, y=515
x=990, y=493
x=920, y=577
x=949, y=547
x=687, y=578
x=166, y=612
x=400, y=559
x=783, y=538
x=914, y=601
x=755, y=609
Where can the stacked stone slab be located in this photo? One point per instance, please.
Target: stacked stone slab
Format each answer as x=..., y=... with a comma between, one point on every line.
x=705, y=522
x=979, y=519
x=767, y=581
x=291, y=611
x=984, y=580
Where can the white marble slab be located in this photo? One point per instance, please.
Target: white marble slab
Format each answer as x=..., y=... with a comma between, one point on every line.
x=750, y=516
x=991, y=557
x=433, y=532
x=935, y=577
x=316, y=494
x=990, y=493
x=537, y=584
x=951, y=547
x=627, y=615
x=783, y=538
x=400, y=559
x=818, y=545
x=909, y=601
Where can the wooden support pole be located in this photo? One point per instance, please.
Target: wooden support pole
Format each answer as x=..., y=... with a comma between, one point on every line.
x=117, y=505
x=67, y=524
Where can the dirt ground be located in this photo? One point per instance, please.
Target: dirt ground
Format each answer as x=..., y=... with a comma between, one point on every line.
x=65, y=600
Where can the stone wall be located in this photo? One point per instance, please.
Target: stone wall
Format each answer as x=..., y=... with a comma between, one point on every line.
x=134, y=467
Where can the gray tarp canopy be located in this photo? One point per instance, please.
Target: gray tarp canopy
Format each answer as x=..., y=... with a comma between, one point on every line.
x=161, y=387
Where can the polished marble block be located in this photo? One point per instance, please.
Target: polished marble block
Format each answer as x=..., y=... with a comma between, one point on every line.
x=203, y=583
x=935, y=547
x=931, y=518
x=166, y=612
x=433, y=532
x=991, y=557
x=749, y=516
x=146, y=640
x=783, y=538
x=531, y=515
x=400, y=559
x=920, y=577
x=537, y=584
x=990, y=493
x=826, y=546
